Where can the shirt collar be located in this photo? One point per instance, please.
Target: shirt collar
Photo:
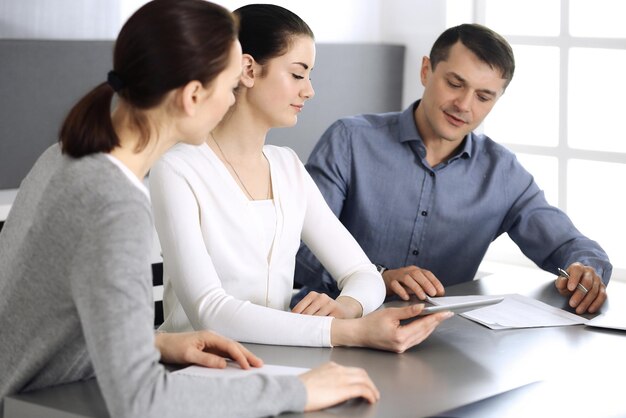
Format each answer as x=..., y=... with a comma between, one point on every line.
x=408, y=132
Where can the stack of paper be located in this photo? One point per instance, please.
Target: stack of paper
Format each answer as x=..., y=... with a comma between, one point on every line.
x=608, y=320
x=233, y=370
x=515, y=311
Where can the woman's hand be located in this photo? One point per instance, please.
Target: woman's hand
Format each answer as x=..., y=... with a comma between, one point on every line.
x=203, y=348
x=383, y=330
x=331, y=384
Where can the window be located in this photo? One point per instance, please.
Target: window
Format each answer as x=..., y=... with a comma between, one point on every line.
x=565, y=106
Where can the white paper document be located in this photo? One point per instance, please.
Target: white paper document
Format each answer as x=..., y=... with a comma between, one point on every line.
x=610, y=321
x=233, y=370
x=515, y=311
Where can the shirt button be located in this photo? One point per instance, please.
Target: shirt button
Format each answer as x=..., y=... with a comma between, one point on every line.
x=424, y=213
x=415, y=252
x=432, y=174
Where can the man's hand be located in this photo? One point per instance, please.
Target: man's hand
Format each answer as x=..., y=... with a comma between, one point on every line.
x=589, y=301
x=412, y=280
x=203, y=348
x=321, y=304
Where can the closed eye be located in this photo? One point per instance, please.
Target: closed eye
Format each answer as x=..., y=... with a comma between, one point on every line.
x=297, y=77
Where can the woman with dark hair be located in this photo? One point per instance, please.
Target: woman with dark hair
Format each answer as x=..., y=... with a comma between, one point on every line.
x=75, y=278
x=230, y=215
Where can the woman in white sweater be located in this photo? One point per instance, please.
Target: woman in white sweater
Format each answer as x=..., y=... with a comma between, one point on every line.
x=230, y=215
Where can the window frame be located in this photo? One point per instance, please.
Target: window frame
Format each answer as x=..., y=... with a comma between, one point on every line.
x=504, y=251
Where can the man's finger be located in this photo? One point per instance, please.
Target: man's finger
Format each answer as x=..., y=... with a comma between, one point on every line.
x=399, y=290
x=412, y=283
x=599, y=300
x=434, y=281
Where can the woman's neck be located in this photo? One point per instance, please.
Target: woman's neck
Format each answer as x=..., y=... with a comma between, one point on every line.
x=138, y=161
x=241, y=135
x=238, y=141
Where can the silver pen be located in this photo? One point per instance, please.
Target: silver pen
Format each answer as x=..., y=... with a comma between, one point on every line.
x=565, y=275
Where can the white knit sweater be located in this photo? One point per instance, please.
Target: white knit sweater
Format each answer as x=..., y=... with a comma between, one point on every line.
x=217, y=273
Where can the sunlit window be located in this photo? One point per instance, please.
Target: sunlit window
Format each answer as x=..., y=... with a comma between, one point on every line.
x=562, y=113
x=528, y=111
x=523, y=17
x=595, y=99
x=545, y=170
x=596, y=203
x=597, y=18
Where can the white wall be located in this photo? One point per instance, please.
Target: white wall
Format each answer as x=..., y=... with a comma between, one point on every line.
x=59, y=19
x=414, y=23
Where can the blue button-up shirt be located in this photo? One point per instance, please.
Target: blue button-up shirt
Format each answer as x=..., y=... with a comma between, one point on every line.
x=373, y=172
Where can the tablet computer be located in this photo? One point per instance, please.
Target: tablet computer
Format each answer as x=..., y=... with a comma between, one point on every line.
x=461, y=306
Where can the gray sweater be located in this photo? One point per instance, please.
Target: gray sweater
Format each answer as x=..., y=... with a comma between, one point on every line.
x=76, y=300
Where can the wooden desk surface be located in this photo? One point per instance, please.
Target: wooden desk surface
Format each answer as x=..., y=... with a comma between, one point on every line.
x=463, y=368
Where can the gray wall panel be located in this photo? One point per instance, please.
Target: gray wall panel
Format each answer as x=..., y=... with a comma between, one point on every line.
x=41, y=79
x=39, y=82
x=348, y=79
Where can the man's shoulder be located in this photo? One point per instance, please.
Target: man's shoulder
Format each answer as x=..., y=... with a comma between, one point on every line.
x=495, y=154
x=370, y=120
x=485, y=144
x=352, y=132
x=365, y=127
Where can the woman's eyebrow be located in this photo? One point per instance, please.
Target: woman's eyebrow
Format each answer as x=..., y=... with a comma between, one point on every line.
x=305, y=66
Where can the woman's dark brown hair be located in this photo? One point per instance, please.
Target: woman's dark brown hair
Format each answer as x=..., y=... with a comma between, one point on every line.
x=162, y=46
x=266, y=30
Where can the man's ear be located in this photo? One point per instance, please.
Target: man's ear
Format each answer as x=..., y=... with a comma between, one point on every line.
x=190, y=97
x=425, y=70
x=250, y=70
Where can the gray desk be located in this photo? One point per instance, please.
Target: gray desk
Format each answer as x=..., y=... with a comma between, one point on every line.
x=462, y=370
x=6, y=200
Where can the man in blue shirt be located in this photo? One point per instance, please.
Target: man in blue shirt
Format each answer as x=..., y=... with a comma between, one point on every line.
x=425, y=196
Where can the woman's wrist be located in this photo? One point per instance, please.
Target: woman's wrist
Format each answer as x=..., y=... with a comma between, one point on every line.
x=346, y=332
x=160, y=343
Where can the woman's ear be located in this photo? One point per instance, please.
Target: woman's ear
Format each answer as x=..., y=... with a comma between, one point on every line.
x=190, y=97
x=250, y=68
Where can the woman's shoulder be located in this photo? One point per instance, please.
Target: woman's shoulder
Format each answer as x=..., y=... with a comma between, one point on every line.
x=182, y=152
x=100, y=177
x=287, y=169
x=280, y=154
x=182, y=159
